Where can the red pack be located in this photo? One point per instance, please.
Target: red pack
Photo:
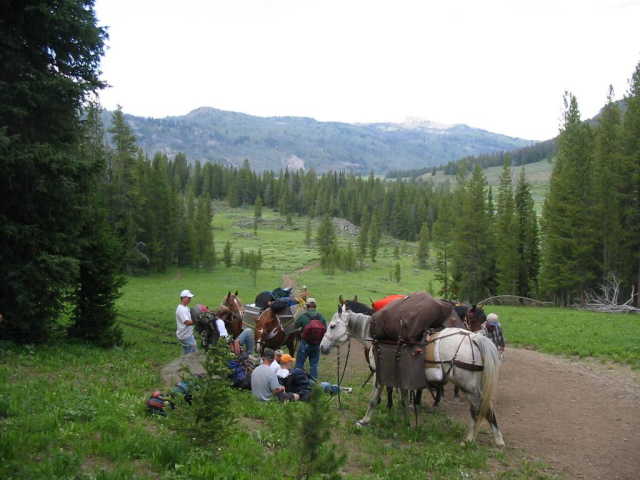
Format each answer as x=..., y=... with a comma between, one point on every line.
x=380, y=304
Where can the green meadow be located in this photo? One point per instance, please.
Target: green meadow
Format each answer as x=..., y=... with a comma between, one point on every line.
x=70, y=411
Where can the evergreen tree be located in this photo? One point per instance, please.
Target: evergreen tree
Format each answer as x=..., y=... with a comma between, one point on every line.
x=507, y=261
x=374, y=236
x=326, y=236
x=528, y=243
x=609, y=179
x=257, y=209
x=397, y=273
x=631, y=191
x=308, y=233
x=363, y=237
x=568, y=252
x=473, y=251
x=396, y=251
x=422, y=254
x=227, y=255
x=204, y=234
x=313, y=427
x=50, y=67
x=443, y=236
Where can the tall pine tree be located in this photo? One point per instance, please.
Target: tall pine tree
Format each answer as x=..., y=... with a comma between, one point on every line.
x=507, y=261
x=568, y=250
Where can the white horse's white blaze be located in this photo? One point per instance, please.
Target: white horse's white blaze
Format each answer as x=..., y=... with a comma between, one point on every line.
x=453, y=343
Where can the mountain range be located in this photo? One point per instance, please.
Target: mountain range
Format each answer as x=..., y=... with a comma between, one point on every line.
x=274, y=143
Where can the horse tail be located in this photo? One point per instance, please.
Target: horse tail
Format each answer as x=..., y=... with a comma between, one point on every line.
x=491, y=366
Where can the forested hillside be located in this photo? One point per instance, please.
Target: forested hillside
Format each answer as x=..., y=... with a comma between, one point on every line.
x=211, y=135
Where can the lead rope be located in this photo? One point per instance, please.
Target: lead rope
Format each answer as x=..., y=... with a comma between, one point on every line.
x=340, y=377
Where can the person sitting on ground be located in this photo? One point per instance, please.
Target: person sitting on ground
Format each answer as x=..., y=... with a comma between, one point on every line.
x=297, y=380
x=184, y=329
x=275, y=365
x=264, y=382
x=245, y=339
x=313, y=327
x=492, y=329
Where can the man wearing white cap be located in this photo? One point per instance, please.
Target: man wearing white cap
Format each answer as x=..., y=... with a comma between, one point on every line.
x=184, y=323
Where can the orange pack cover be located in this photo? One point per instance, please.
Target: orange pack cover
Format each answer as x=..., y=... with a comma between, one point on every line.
x=383, y=302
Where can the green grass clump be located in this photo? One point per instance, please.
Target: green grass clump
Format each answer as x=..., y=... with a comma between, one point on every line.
x=614, y=337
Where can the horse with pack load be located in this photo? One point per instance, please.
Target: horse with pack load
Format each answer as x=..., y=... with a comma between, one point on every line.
x=419, y=342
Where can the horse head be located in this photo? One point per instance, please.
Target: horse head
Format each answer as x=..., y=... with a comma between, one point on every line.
x=268, y=331
x=475, y=318
x=337, y=332
x=236, y=312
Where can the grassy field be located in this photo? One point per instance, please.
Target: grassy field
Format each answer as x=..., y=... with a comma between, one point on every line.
x=610, y=337
x=68, y=410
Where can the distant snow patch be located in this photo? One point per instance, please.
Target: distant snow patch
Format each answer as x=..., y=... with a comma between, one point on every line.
x=294, y=162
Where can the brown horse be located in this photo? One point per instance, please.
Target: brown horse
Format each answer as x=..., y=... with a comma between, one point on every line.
x=271, y=333
x=232, y=311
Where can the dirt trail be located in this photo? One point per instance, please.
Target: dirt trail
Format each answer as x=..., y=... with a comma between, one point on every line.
x=289, y=279
x=582, y=418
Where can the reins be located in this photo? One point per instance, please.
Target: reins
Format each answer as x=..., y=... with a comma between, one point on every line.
x=340, y=377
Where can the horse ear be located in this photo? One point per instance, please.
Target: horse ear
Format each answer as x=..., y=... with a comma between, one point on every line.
x=355, y=299
x=228, y=293
x=236, y=294
x=341, y=300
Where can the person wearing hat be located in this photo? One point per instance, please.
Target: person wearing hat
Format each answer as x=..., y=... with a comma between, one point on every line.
x=264, y=382
x=297, y=381
x=184, y=323
x=313, y=326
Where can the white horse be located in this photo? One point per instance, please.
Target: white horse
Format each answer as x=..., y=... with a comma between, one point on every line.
x=455, y=349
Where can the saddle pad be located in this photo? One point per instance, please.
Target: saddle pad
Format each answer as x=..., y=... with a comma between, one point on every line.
x=400, y=366
x=432, y=357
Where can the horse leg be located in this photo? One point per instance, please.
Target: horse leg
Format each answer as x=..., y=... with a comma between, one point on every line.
x=456, y=392
x=418, y=397
x=374, y=400
x=439, y=394
x=389, y=397
x=474, y=410
x=497, y=434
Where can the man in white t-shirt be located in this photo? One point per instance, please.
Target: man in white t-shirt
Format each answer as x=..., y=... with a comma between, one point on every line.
x=184, y=323
x=275, y=365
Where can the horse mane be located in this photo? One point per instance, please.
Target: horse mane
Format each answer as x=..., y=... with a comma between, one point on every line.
x=357, y=307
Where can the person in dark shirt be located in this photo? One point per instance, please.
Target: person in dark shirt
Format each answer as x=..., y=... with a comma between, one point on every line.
x=309, y=349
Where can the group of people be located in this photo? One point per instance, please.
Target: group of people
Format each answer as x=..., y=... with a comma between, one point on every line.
x=279, y=375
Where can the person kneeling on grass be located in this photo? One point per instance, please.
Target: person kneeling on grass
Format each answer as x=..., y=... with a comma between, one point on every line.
x=297, y=381
x=264, y=382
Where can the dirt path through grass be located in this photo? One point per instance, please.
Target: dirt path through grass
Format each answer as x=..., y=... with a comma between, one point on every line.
x=289, y=279
x=582, y=418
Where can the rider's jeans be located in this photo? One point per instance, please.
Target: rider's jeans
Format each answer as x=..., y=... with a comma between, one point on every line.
x=313, y=352
x=247, y=339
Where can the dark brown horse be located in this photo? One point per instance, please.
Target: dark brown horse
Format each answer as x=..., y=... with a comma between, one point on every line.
x=232, y=311
x=271, y=333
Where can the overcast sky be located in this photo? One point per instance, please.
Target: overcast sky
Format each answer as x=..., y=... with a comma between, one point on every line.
x=501, y=65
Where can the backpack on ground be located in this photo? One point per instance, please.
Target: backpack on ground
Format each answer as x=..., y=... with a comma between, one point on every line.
x=314, y=330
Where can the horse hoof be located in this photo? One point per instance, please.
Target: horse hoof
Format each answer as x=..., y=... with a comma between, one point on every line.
x=361, y=424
